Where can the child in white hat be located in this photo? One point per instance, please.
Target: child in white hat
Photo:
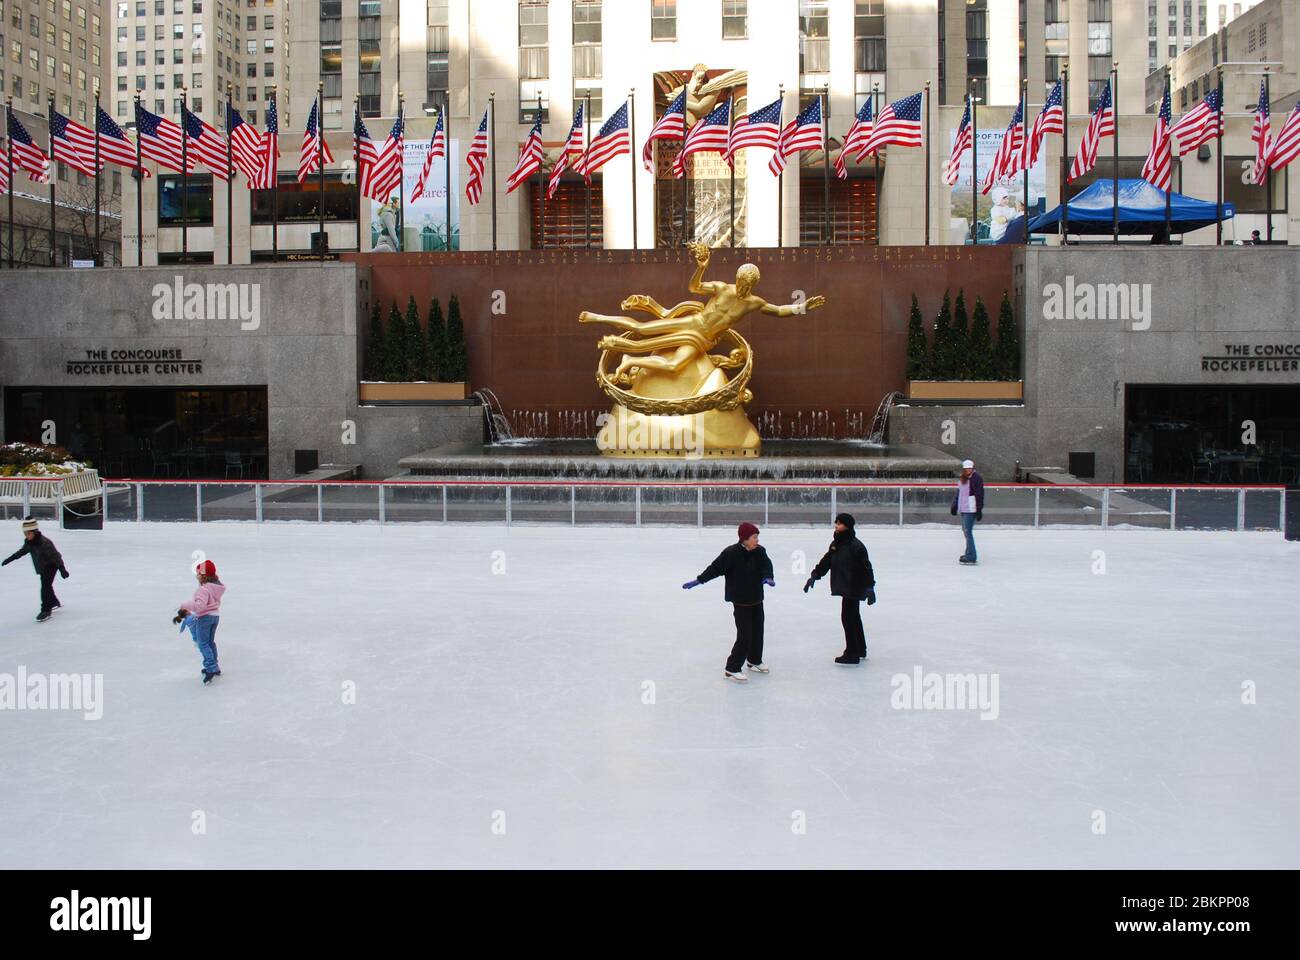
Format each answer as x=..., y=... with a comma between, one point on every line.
x=47, y=561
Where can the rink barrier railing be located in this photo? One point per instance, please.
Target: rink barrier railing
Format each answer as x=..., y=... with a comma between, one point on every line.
x=1237, y=507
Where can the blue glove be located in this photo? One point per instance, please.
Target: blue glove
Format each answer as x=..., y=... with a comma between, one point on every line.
x=690, y=583
x=770, y=582
x=871, y=595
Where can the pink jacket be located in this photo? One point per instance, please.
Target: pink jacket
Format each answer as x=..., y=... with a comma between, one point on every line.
x=207, y=599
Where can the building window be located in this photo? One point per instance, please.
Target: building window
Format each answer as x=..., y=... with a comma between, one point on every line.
x=534, y=35
x=1098, y=77
x=814, y=34
x=1099, y=37
x=663, y=19
x=597, y=110
x=297, y=202
x=368, y=87
x=869, y=36
x=530, y=93
x=184, y=204
x=587, y=39
x=735, y=19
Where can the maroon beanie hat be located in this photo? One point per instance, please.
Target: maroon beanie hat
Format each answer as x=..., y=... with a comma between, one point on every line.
x=746, y=530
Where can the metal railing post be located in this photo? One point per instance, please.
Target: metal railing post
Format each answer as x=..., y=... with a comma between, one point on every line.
x=103, y=493
x=508, y=506
x=1037, y=497
x=198, y=503
x=320, y=503
x=1281, y=513
x=699, y=507
x=383, y=507
x=1241, y=508
x=637, y=492
x=257, y=500
x=27, y=498
x=766, y=491
x=444, y=503
x=833, y=510
x=900, y=505
x=139, y=502
x=1105, y=508
x=1173, y=508
x=58, y=502
x=573, y=506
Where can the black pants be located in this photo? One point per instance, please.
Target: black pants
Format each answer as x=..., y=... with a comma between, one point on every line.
x=855, y=640
x=48, y=600
x=749, y=636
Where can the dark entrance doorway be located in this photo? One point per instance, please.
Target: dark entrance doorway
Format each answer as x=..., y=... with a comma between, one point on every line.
x=1201, y=434
x=209, y=433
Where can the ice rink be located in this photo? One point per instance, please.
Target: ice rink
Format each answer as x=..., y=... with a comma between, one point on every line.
x=549, y=696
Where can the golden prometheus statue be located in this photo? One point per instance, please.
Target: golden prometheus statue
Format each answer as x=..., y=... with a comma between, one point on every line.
x=671, y=396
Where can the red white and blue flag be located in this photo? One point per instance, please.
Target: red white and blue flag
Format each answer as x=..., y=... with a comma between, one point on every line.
x=1200, y=125
x=1262, y=136
x=530, y=158
x=804, y=132
x=1158, y=169
x=206, y=143
x=1050, y=120
x=965, y=139
x=384, y=176
x=855, y=139
x=671, y=126
x=613, y=140
x=759, y=128
x=1101, y=125
x=68, y=141
x=899, y=123
x=1007, y=161
x=268, y=173
x=709, y=135
x=114, y=145
x=437, y=149
x=476, y=160
x=572, y=149
x=1286, y=146
x=27, y=155
x=160, y=140
x=315, y=149
x=246, y=146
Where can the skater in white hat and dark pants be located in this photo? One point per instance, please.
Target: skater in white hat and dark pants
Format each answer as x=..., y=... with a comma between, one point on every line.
x=969, y=505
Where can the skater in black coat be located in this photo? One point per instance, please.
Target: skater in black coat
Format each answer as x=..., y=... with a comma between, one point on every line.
x=746, y=567
x=46, y=560
x=853, y=580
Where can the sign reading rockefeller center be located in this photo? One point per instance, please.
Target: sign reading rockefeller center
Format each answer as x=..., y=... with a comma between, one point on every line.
x=133, y=362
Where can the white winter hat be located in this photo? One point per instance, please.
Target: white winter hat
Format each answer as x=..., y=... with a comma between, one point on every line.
x=968, y=464
x=29, y=523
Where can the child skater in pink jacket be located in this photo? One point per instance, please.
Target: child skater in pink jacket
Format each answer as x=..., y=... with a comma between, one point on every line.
x=201, y=615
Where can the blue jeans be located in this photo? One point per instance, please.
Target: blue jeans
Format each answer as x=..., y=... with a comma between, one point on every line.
x=968, y=528
x=204, y=632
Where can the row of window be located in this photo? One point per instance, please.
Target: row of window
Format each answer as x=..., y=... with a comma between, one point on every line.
x=16, y=17
x=34, y=53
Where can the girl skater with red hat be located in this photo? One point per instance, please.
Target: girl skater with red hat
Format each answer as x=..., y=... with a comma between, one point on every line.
x=746, y=567
x=201, y=615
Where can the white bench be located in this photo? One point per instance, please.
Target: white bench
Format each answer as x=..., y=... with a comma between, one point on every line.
x=51, y=491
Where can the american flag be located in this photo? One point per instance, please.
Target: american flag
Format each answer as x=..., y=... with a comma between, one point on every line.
x=858, y=134
x=246, y=146
x=671, y=126
x=1050, y=120
x=4, y=171
x=1286, y=146
x=530, y=158
x=759, y=128
x=572, y=148
x=207, y=144
x=27, y=155
x=965, y=138
x=709, y=135
x=73, y=144
x=315, y=148
x=160, y=139
x=114, y=145
x=1101, y=125
x=268, y=171
x=476, y=159
x=1007, y=161
x=437, y=149
x=804, y=132
x=1158, y=169
x=899, y=123
x=612, y=140
x=1262, y=136
x=1199, y=125
x=384, y=175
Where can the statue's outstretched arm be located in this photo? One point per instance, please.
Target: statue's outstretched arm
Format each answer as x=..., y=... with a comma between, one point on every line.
x=792, y=309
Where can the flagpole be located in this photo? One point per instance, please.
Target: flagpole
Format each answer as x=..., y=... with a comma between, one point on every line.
x=9, y=161
x=401, y=180
x=974, y=165
x=492, y=159
x=586, y=175
x=356, y=162
x=446, y=159
x=185, y=179
x=827, y=230
x=230, y=183
x=138, y=175
x=54, y=176
x=731, y=113
x=875, y=116
x=320, y=170
x=1218, y=163
x=98, y=171
x=1169, y=238
x=631, y=153
x=541, y=179
x=1268, y=181
x=275, y=190
x=1065, y=154
x=927, y=163
x=780, y=177
x=1024, y=148
x=1114, y=190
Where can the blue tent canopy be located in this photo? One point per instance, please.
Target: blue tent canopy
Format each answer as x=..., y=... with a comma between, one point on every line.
x=1141, y=211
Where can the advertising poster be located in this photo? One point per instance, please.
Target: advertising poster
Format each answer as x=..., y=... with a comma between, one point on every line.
x=426, y=215
x=1002, y=204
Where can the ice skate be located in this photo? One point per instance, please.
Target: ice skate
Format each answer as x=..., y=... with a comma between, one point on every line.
x=757, y=667
x=844, y=660
x=738, y=677
x=43, y=616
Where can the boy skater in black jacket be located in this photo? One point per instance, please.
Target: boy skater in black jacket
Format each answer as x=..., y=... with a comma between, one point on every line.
x=853, y=580
x=46, y=560
x=747, y=567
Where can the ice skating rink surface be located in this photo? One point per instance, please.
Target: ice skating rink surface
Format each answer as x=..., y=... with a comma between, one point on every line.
x=549, y=696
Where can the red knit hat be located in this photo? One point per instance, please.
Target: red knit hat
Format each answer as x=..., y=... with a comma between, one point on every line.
x=207, y=568
x=746, y=530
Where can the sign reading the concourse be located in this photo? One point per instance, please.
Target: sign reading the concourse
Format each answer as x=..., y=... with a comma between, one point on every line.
x=133, y=362
x=1254, y=358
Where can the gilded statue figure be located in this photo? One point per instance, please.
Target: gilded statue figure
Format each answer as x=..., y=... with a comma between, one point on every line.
x=702, y=94
x=669, y=384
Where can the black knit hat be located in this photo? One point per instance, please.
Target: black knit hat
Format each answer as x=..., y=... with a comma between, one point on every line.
x=845, y=518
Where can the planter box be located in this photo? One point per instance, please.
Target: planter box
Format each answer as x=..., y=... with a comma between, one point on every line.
x=987, y=390
x=424, y=391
